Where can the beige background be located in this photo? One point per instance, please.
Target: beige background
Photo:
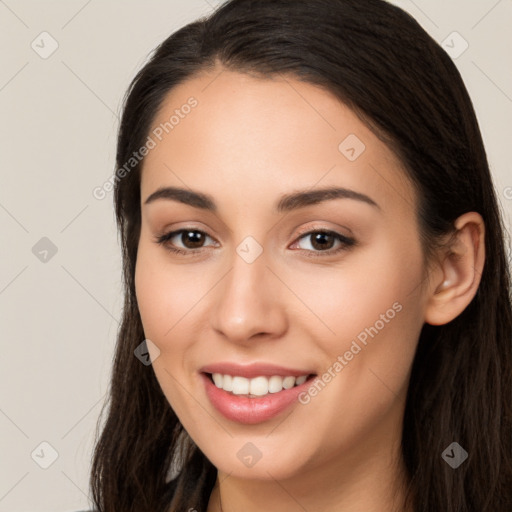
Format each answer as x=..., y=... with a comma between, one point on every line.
x=59, y=116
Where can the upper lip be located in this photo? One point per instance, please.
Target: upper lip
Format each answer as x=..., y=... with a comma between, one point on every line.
x=252, y=370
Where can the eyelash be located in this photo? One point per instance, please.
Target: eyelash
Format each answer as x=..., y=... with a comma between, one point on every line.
x=345, y=242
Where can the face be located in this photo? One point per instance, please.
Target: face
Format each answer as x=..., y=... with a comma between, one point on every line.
x=279, y=256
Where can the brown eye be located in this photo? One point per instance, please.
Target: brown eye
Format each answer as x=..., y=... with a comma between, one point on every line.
x=323, y=242
x=192, y=239
x=184, y=240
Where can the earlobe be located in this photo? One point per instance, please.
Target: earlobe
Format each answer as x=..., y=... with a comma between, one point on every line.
x=460, y=271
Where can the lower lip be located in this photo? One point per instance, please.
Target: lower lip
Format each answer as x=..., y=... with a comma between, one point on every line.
x=243, y=409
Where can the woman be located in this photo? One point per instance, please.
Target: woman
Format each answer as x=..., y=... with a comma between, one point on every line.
x=317, y=312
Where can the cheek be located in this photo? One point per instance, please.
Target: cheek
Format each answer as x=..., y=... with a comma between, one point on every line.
x=165, y=295
x=171, y=301
x=371, y=282
x=163, y=299
x=150, y=297
x=373, y=309
x=371, y=306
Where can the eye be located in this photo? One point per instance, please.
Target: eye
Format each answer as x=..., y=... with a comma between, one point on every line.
x=189, y=238
x=318, y=242
x=323, y=242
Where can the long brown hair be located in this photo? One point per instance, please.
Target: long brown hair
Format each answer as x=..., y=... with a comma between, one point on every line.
x=377, y=60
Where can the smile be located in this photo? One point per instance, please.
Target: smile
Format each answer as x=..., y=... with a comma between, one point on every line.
x=258, y=386
x=253, y=393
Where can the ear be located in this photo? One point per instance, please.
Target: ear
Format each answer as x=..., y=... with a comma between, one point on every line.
x=455, y=282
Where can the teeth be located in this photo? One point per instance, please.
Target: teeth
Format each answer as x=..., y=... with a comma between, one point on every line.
x=227, y=383
x=240, y=386
x=259, y=386
x=218, y=379
x=275, y=384
x=301, y=380
x=288, y=382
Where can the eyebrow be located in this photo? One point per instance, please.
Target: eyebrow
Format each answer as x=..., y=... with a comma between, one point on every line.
x=286, y=203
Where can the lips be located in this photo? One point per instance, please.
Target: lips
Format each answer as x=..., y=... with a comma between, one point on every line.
x=253, y=393
x=251, y=371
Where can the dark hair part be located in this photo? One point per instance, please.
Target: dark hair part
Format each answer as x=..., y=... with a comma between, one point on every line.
x=377, y=60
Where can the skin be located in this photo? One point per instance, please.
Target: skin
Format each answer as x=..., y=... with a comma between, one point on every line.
x=248, y=142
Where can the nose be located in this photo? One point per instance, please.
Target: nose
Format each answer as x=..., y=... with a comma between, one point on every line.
x=248, y=302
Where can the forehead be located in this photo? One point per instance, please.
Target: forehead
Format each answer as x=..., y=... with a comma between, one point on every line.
x=267, y=136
